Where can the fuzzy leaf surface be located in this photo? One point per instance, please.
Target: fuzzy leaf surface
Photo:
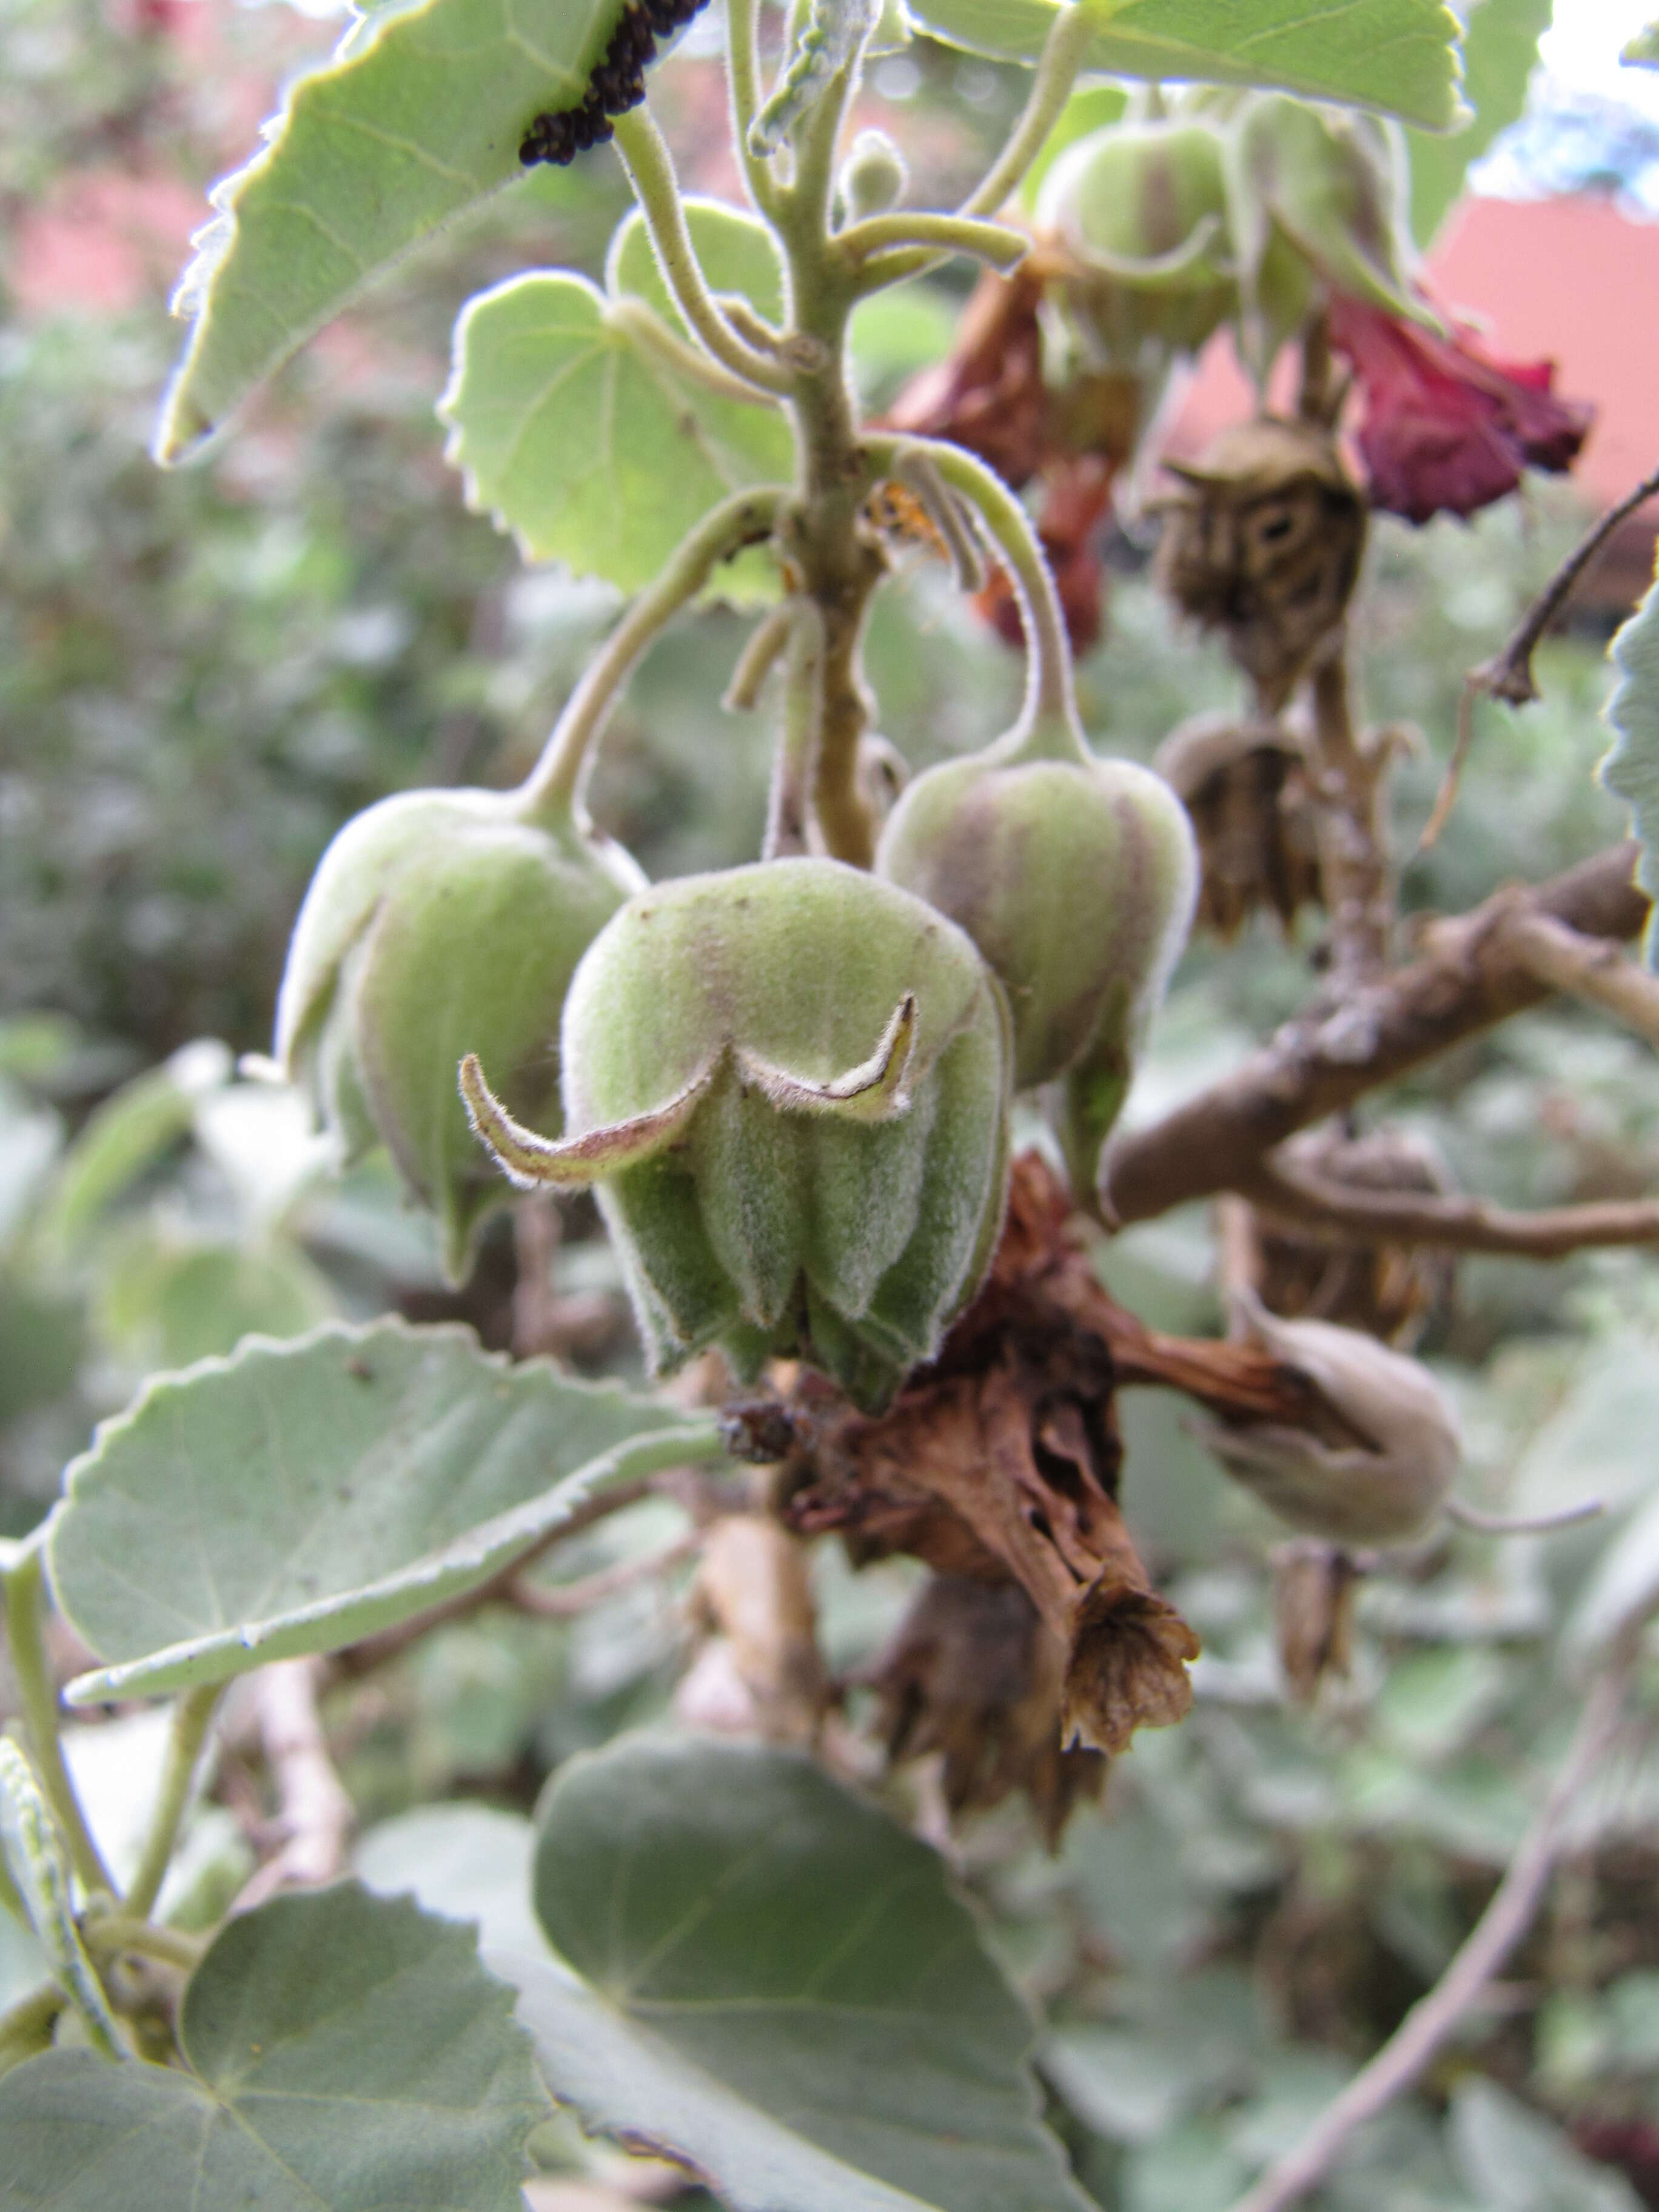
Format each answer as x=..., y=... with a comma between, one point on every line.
x=344, y=2051
x=1397, y=56
x=1632, y=769
x=416, y=118
x=771, y=1980
x=593, y=446
x=296, y=1496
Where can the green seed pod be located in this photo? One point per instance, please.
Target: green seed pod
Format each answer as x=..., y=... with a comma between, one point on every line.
x=437, y=922
x=1076, y=877
x=1141, y=208
x=1324, y=188
x=788, y=1084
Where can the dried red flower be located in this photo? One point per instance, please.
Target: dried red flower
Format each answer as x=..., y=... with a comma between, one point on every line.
x=1448, y=429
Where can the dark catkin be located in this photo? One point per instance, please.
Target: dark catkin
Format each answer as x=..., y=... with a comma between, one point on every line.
x=617, y=84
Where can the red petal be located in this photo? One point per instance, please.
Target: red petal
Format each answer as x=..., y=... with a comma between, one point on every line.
x=1448, y=429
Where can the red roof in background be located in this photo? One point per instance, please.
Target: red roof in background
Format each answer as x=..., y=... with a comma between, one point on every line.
x=1572, y=280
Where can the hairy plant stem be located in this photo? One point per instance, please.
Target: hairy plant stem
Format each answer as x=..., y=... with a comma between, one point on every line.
x=25, y=1637
x=789, y=806
x=1051, y=88
x=553, y=788
x=835, y=560
x=1049, y=727
x=877, y=235
x=1349, y=779
x=108, y=1934
x=192, y=1716
x=644, y=154
x=742, y=77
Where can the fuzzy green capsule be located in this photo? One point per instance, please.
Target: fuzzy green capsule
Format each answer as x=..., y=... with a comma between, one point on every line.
x=788, y=1085
x=1141, y=208
x=1076, y=877
x=439, y=922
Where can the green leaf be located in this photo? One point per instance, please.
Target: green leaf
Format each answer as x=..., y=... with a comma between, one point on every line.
x=1510, y=2156
x=297, y=1497
x=1500, y=47
x=1625, y=1587
x=775, y=1983
x=1398, y=56
x=416, y=118
x=1632, y=769
x=738, y=252
x=467, y=1861
x=1643, y=50
x=586, y=434
x=344, y=2051
x=129, y=1134
x=39, y=1867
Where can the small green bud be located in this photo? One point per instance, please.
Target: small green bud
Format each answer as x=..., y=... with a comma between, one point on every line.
x=788, y=1084
x=873, y=177
x=1141, y=208
x=1076, y=878
x=438, y=922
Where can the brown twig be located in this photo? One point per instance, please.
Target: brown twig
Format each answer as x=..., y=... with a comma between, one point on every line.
x=1407, y=2053
x=377, y=1651
x=1348, y=779
x=565, y=1600
x=1341, y=1213
x=1508, y=675
x=315, y=1815
x=1466, y=982
x=1586, y=967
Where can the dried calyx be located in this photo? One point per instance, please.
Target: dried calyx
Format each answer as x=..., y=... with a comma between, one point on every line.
x=1245, y=785
x=439, y=922
x=788, y=1085
x=1263, y=542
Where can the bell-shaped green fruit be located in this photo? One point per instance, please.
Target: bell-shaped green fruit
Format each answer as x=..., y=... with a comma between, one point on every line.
x=788, y=1084
x=1076, y=877
x=437, y=923
x=1141, y=208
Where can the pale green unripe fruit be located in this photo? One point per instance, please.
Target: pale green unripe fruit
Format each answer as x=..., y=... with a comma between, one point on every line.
x=788, y=1084
x=1142, y=208
x=1076, y=880
x=439, y=923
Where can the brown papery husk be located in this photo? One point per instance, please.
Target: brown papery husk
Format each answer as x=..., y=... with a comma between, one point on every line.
x=999, y=1463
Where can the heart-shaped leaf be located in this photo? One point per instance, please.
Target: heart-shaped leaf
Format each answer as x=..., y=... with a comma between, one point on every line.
x=297, y=1497
x=344, y=2051
x=1398, y=56
x=772, y=1982
x=593, y=440
x=417, y=117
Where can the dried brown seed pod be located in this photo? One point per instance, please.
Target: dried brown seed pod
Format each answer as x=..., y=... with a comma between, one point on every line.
x=1263, y=542
x=1390, y=1290
x=972, y=1673
x=1245, y=785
